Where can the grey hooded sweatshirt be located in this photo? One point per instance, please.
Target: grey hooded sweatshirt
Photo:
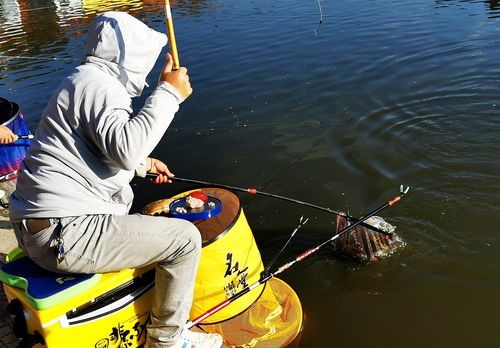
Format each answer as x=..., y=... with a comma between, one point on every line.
x=89, y=144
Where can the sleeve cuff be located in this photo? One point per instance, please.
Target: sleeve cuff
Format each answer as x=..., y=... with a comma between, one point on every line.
x=141, y=169
x=172, y=90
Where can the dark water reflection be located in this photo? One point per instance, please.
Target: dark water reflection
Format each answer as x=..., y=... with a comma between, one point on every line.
x=338, y=114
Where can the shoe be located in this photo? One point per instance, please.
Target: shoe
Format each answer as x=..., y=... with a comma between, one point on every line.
x=190, y=339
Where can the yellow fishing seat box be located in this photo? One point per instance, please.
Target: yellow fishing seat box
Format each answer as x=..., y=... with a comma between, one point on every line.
x=77, y=310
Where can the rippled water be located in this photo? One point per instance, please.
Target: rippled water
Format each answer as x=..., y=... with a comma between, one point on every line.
x=381, y=93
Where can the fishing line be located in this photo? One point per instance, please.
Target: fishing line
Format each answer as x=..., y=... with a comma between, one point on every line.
x=293, y=164
x=320, y=18
x=41, y=58
x=255, y=125
x=320, y=12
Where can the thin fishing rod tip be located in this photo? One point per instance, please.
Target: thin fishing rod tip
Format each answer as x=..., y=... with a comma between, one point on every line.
x=302, y=221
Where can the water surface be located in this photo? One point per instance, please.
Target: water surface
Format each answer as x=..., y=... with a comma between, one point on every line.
x=339, y=114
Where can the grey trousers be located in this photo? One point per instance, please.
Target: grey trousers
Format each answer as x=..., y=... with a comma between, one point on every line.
x=104, y=243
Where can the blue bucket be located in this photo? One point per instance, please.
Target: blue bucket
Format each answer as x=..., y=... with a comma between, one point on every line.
x=11, y=155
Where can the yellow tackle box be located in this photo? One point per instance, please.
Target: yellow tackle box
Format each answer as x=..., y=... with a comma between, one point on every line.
x=78, y=310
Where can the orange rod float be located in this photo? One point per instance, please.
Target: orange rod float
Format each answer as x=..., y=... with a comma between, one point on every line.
x=171, y=36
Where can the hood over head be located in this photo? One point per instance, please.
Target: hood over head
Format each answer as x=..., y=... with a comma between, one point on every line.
x=124, y=45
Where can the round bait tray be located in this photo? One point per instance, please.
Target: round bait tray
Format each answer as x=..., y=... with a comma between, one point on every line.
x=207, y=211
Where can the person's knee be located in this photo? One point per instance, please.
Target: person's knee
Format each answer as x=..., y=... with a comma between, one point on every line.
x=193, y=234
x=188, y=243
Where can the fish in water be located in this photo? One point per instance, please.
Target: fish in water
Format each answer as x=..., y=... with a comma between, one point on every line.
x=362, y=243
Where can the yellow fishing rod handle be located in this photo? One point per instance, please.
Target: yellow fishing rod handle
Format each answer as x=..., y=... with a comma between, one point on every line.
x=171, y=36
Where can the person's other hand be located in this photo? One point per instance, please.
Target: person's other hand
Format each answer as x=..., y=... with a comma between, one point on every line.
x=177, y=78
x=160, y=168
x=6, y=135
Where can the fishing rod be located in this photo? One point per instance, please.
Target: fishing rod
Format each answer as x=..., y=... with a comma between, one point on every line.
x=171, y=35
x=254, y=191
x=266, y=276
x=301, y=223
x=29, y=136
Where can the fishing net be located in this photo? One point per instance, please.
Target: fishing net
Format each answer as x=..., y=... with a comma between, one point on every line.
x=363, y=243
x=273, y=320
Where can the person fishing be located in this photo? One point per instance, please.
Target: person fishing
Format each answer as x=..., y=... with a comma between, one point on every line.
x=70, y=210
